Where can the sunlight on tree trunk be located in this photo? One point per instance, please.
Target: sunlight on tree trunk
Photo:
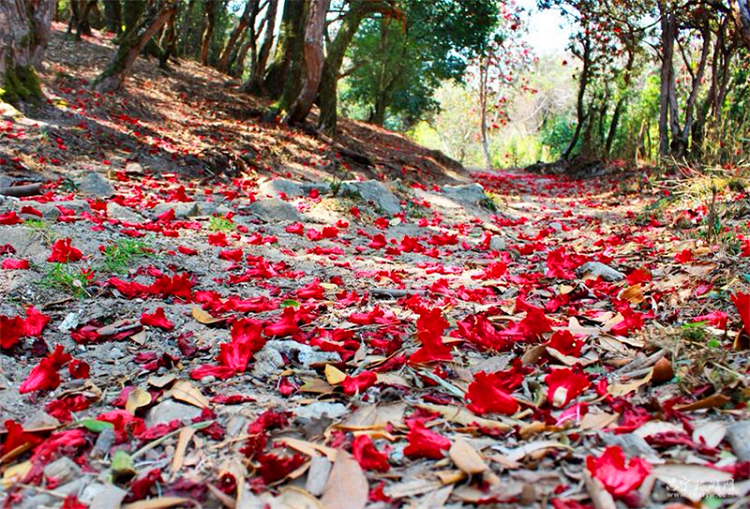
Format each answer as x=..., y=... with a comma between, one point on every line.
x=133, y=42
x=741, y=10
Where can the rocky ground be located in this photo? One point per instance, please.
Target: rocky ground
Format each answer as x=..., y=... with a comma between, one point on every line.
x=174, y=338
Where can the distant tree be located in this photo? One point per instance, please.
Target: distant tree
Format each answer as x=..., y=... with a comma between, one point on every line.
x=113, y=16
x=741, y=10
x=25, y=26
x=157, y=13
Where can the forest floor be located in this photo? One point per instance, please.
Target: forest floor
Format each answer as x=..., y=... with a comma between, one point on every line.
x=288, y=333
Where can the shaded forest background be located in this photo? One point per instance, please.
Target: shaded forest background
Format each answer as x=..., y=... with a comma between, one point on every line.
x=642, y=82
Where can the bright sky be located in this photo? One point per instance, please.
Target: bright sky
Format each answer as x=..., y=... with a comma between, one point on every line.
x=548, y=30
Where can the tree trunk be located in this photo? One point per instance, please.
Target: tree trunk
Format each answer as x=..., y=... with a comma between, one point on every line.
x=627, y=78
x=683, y=136
x=288, y=49
x=131, y=13
x=580, y=100
x=185, y=28
x=254, y=84
x=312, y=62
x=250, y=7
x=24, y=31
x=483, y=83
x=741, y=10
x=668, y=34
x=113, y=16
x=327, y=97
x=156, y=15
x=212, y=7
x=82, y=23
x=168, y=42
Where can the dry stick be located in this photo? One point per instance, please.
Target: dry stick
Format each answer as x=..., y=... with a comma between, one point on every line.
x=22, y=191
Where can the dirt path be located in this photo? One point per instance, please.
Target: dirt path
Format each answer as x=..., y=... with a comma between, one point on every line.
x=238, y=342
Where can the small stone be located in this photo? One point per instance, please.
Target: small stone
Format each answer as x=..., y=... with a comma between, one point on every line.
x=70, y=322
x=103, y=443
x=374, y=192
x=738, y=436
x=51, y=211
x=290, y=188
x=103, y=496
x=62, y=470
x=319, y=409
x=598, y=269
x=497, y=243
x=208, y=380
x=275, y=209
x=26, y=242
x=96, y=185
x=117, y=211
x=468, y=194
x=182, y=210
x=317, y=475
x=168, y=411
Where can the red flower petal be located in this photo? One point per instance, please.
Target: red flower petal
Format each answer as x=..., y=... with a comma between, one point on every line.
x=487, y=395
x=368, y=457
x=565, y=384
x=424, y=443
x=617, y=477
x=157, y=319
x=360, y=383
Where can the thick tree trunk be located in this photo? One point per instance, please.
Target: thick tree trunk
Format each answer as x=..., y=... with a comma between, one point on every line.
x=24, y=31
x=113, y=16
x=483, y=78
x=328, y=97
x=668, y=33
x=254, y=84
x=741, y=10
x=168, y=42
x=313, y=62
x=212, y=7
x=288, y=49
x=82, y=22
x=131, y=13
x=185, y=28
x=156, y=15
x=583, y=82
x=681, y=141
x=250, y=7
x=627, y=78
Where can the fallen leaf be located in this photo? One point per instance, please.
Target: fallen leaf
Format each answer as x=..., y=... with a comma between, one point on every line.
x=466, y=458
x=334, y=375
x=347, y=486
x=138, y=398
x=157, y=503
x=695, y=482
x=205, y=317
x=188, y=393
x=714, y=401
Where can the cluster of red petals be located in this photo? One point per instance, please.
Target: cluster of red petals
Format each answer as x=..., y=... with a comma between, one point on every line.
x=12, y=329
x=489, y=394
x=430, y=328
x=234, y=356
x=424, y=443
x=618, y=477
x=64, y=252
x=565, y=384
x=368, y=457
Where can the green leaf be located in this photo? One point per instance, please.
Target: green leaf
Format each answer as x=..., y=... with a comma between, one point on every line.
x=290, y=303
x=95, y=426
x=693, y=325
x=122, y=463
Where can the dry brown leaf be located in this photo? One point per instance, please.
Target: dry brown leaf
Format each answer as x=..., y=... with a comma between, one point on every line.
x=695, y=482
x=183, y=441
x=293, y=497
x=157, y=503
x=710, y=433
x=315, y=386
x=309, y=448
x=347, y=486
x=618, y=390
x=464, y=417
x=597, y=421
x=715, y=401
x=186, y=392
x=334, y=375
x=162, y=381
x=633, y=294
x=520, y=453
x=466, y=458
x=204, y=317
x=599, y=496
x=370, y=417
x=138, y=398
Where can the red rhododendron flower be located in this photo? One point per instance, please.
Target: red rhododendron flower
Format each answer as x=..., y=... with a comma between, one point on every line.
x=79, y=370
x=235, y=355
x=44, y=376
x=639, y=276
x=295, y=228
x=430, y=328
x=716, y=318
x=273, y=467
x=630, y=320
x=157, y=319
x=684, y=256
x=11, y=330
x=13, y=264
x=10, y=218
x=65, y=441
x=488, y=395
x=360, y=383
x=287, y=324
x=424, y=443
x=565, y=343
x=72, y=502
x=565, y=384
x=64, y=252
x=16, y=437
x=368, y=457
x=742, y=303
x=617, y=477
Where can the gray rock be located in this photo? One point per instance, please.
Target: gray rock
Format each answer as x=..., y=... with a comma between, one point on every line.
x=269, y=359
x=598, y=269
x=49, y=500
x=497, y=243
x=170, y=410
x=62, y=470
x=317, y=475
x=375, y=192
x=95, y=185
x=290, y=188
x=26, y=242
x=275, y=209
x=319, y=409
x=182, y=210
x=50, y=210
x=103, y=444
x=467, y=194
x=632, y=444
x=103, y=496
x=117, y=211
x=738, y=436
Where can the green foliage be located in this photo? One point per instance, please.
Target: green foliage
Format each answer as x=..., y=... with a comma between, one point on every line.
x=221, y=224
x=117, y=257
x=400, y=64
x=68, y=277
